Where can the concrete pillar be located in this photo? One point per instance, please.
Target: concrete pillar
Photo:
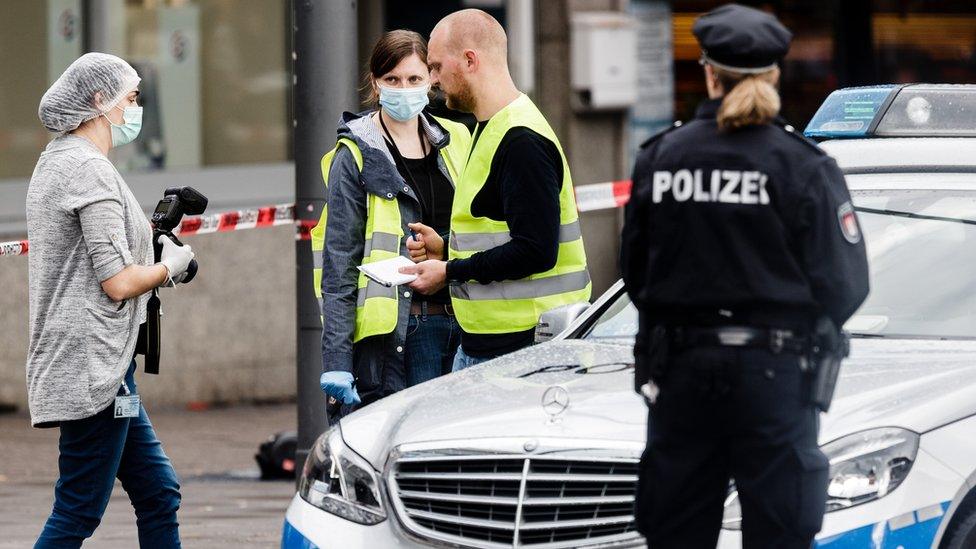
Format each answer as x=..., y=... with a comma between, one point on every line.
x=520, y=23
x=325, y=85
x=372, y=20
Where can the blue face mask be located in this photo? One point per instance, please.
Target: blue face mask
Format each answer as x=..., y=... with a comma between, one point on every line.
x=404, y=103
x=124, y=133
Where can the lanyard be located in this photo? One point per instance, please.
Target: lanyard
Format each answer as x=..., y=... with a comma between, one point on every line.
x=403, y=162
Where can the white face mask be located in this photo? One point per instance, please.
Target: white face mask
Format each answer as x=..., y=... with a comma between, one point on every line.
x=404, y=103
x=130, y=127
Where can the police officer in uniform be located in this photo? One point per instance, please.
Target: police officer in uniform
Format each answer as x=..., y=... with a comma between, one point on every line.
x=743, y=254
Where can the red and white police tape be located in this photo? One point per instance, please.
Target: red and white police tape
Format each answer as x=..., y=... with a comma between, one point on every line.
x=268, y=216
x=598, y=196
x=602, y=196
x=17, y=247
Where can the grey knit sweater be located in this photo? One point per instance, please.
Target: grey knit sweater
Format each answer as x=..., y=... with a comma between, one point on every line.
x=84, y=227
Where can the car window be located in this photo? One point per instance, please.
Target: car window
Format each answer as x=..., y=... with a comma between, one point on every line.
x=922, y=257
x=617, y=322
x=921, y=248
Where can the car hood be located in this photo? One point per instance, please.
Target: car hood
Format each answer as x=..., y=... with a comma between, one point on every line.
x=911, y=383
x=503, y=398
x=915, y=384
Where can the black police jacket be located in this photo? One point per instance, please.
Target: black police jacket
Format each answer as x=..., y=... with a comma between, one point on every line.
x=753, y=226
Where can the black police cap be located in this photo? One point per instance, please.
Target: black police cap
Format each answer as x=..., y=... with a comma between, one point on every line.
x=741, y=39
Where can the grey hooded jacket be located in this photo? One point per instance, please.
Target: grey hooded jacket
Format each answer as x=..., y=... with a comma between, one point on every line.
x=376, y=362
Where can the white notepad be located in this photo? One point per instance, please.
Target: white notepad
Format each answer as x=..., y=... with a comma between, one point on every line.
x=387, y=272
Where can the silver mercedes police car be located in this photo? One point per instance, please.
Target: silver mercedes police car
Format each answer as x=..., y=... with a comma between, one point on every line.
x=540, y=448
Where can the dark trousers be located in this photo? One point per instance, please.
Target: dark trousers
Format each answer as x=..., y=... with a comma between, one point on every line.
x=94, y=452
x=428, y=352
x=432, y=341
x=732, y=413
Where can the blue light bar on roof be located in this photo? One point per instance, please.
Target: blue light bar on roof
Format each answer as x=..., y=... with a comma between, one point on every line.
x=902, y=110
x=849, y=112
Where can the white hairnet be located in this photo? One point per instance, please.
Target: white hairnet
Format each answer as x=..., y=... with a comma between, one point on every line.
x=71, y=99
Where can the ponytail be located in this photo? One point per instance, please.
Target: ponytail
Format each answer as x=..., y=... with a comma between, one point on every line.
x=750, y=99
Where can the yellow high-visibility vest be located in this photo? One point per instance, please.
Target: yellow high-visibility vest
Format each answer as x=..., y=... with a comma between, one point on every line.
x=376, y=304
x=513, y=305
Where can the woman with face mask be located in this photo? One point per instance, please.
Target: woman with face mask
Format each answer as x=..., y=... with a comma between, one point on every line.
x=391, y=174
x=91, y=270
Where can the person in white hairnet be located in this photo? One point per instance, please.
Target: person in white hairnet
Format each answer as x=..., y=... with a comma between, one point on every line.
x=91, y=271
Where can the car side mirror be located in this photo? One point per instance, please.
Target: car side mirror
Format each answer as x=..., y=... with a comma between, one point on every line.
x=554, y=321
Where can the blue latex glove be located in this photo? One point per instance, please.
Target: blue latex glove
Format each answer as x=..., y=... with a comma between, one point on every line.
x=339, y=385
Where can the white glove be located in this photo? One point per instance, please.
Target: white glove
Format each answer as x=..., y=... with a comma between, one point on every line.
x=174, y=257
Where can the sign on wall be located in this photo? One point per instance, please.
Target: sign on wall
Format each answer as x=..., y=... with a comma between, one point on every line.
x=180, y=86
x=654, y=109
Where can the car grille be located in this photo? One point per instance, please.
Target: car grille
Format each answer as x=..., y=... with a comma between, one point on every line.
x=517, y=501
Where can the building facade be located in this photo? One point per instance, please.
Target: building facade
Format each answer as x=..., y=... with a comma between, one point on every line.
x=217, y=78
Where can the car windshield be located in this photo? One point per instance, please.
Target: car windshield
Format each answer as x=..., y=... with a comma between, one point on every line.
x=922, y=254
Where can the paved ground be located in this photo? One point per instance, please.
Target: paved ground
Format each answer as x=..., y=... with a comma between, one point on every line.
x=224, y=505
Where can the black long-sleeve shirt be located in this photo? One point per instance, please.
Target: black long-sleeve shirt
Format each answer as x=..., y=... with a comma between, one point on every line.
x=435, y=193
x=522, y=189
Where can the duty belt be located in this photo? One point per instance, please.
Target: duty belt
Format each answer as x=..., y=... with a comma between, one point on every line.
x=774, y=340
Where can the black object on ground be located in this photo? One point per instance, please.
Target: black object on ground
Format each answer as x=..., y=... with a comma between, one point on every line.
x=276, y=456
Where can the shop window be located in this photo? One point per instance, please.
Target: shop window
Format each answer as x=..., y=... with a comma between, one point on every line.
x=38, y=40
x=215, y=77
x=215, y=81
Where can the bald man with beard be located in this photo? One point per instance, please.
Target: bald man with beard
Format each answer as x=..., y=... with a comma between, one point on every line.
x=516, y=249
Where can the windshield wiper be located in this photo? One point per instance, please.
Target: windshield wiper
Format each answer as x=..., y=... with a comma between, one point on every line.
x=911, y=215
x=935, y=337
x=867, y=336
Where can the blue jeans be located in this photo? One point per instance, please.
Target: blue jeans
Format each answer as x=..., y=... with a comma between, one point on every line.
x=96, y=450
x=431, y=343
x=463, y=360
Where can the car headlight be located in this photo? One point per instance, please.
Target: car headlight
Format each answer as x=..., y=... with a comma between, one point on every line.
x=868, y=465
x=337, y=480
x=864, y=467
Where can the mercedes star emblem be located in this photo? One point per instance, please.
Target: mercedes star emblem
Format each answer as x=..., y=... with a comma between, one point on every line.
x=555, y=401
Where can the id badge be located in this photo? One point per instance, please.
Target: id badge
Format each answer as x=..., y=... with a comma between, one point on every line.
x=126, y=406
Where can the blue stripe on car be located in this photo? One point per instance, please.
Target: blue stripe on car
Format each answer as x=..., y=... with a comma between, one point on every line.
x=913, y=530
x=291, y=538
